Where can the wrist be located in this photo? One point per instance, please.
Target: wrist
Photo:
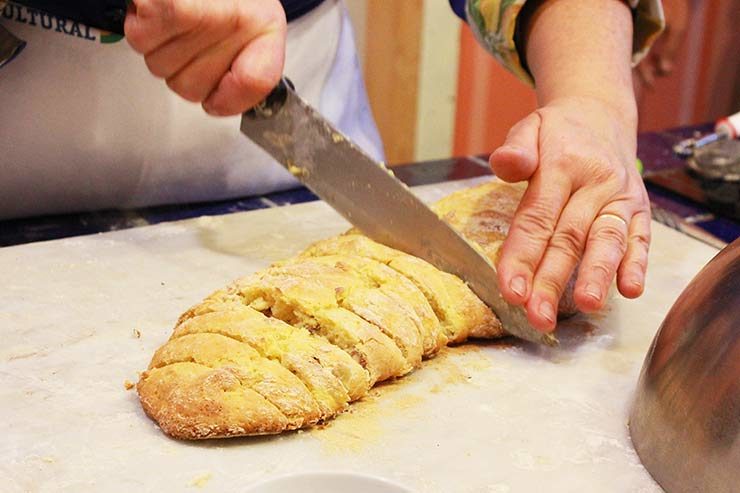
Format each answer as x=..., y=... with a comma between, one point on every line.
x=620, y=106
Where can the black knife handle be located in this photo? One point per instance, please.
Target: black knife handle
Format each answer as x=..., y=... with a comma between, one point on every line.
x=10, y=46
x=273, y=103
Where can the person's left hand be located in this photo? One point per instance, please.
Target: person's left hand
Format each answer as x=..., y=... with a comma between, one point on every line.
x=585, y=203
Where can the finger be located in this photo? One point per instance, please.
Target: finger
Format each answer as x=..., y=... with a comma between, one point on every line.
x=198, y=78
x=150, y=24
x=561, y=257
x=174, y=55
x=254, y=73
x=605, y=249
x=631, y=273
x=529, y=234
x=517, y=159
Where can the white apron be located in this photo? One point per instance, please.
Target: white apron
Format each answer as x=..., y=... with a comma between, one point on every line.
x=84, y=126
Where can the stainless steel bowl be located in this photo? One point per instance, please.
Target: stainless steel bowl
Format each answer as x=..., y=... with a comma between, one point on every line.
x=685, y=420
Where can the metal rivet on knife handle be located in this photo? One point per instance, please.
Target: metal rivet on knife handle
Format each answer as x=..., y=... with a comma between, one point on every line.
x=274, y=101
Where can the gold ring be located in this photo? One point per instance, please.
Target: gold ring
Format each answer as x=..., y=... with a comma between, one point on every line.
x=613, y=217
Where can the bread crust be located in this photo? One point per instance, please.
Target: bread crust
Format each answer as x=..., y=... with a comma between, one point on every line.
x=295, y=344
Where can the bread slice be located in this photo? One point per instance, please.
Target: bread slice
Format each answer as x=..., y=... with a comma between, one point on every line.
x=268, y=378
x=310, y=295
x=460, y=313
x=406, y=299
x=330, y=373
x=193, y=401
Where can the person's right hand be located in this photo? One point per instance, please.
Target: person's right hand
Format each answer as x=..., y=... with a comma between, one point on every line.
x=225, y=54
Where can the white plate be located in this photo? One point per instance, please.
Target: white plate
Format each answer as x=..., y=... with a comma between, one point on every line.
x=327, y=482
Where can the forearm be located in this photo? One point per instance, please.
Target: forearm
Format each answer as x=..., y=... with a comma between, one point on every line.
x=582, y=49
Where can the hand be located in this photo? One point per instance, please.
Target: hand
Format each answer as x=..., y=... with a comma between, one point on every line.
x=225, y=54
x=585, y=203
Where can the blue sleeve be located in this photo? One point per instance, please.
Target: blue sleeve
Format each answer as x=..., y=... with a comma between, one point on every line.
x=458, y=6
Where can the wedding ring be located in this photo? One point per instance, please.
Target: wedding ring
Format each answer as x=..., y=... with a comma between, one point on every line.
x=613, y=217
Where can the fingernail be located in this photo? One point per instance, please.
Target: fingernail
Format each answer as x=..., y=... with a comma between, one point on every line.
x=547, y=311
x=593, y=291
x=518, y=285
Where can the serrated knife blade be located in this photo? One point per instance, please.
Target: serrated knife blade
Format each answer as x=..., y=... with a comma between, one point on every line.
x=367, y=194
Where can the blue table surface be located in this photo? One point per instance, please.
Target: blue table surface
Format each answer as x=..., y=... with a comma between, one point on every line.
x=654, y=149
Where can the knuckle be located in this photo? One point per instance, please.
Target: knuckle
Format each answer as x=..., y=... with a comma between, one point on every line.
x=155, y=67
x=603, y=270
x=641, y=239
x=183, y=16
x=185, y=13
x=619, y=174
x=535, y=222
x=568, y=240
x=637, y=264
x=513, y=259
x=611, y=234
x=552, y=285
x=597, y=170
x=135, y=37
x=185, y=89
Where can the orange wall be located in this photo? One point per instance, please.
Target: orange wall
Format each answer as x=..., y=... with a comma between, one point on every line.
x=704, y=85
x=489, y=100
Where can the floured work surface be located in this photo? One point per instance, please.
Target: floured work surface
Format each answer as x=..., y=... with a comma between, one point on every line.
x=79, y=317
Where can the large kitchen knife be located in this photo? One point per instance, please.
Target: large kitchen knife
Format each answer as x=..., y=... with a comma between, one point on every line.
x=367, y=194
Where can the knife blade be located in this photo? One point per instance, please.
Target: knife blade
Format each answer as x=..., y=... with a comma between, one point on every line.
x=367, y=194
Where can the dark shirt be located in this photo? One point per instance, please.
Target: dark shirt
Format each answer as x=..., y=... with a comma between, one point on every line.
x=109, y=15
x=296, y=8
x=458, y=6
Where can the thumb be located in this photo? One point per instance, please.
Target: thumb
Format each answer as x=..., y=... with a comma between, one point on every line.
x=517, y=159
x=253, y=74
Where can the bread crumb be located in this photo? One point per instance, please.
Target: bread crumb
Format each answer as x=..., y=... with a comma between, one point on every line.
x=128, y=384
x=137, y=334
x=200, y=481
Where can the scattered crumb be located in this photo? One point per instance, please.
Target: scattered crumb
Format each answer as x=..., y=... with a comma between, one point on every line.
x=137, y=334
x=128, y=384
x=47, y=459
x=296, y=171
x=200, y=481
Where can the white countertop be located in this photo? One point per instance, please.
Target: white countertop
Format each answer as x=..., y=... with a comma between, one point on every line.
x=491, y=418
